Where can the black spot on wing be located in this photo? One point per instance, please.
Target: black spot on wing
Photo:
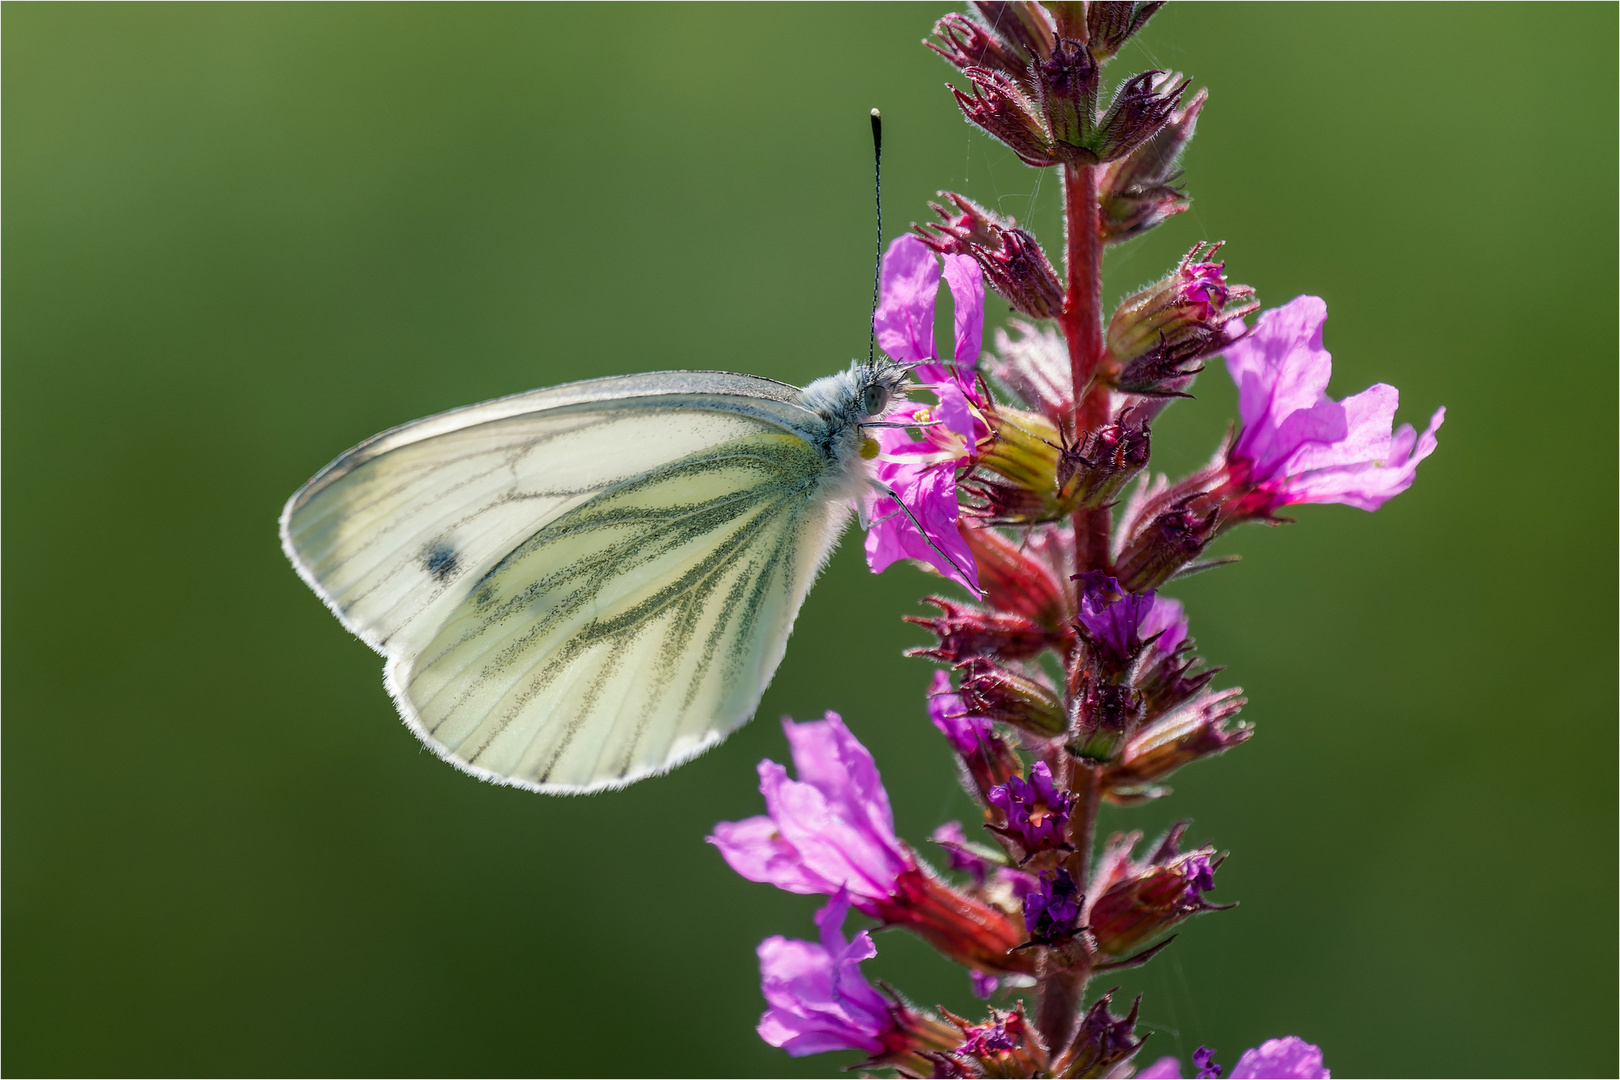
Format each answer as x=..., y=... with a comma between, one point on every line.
x=440, y=561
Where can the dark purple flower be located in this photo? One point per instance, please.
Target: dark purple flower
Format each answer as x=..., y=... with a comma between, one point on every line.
x=1122, y=621
x=818, y=998
x=967, y=733
x=1288, y=1058
x=1298, y=445
x=1037, y=810
x=1052, y=911
x=831, y=828
x=1204, y=1062
x=922, y=473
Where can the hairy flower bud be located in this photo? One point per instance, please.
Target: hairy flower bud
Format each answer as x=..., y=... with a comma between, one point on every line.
x=1023, y=23
x=1141, y=106
x=1174, y=674
x=1159, y=336
x=1104, y=1040
x=1105, y=715
x=1137, y=192
x=996, y=103
x=1112, y=24
x=992, y=690
x=985, y=757
x=1194, y=731
x=1138, y=901
x=1165, y=544
x=1002, y=1046
x=965, y=42
x=1012, y=261
x=1015, y=476
x=1093, y=471
x=965, y=631
x=1066, y=85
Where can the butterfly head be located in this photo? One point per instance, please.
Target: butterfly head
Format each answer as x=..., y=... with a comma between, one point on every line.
x=881, y=383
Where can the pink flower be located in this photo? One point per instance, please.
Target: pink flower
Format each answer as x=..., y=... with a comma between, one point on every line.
x=922, y=473
x=1297, y=445
x=1288, y=1058
x=828, y=830
x=818, y=998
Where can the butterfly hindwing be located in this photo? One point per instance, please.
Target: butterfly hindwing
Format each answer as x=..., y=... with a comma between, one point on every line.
x=635, y=630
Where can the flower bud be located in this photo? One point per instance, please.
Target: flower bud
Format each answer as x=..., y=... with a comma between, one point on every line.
x=1015, y=581
x=1138, y=901
x=1105, y=715
x=1012, y=261
x=1021, y=459
x=1092, y=472
x=996, y=103
x=1159, y=335
x=1142, y=106
x=1165, y=544
x=1113, y=24
x=992, y=690
x=1137, y=192
x=1023, y=23
x=1002, y=1046
x=965, y=42
x=1103, y=1041
x=1171, y=678
x=1197, y=730
x=1066, y=84
x=985, y=757
x=965, y=631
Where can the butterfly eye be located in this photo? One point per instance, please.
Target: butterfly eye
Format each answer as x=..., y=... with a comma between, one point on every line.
x=874, y=399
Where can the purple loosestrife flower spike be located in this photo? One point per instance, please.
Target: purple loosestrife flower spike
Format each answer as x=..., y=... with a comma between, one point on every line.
x=1037, y=810
x=923, y=472
x=1297, y=445
x=830, y=829
x=818, y=998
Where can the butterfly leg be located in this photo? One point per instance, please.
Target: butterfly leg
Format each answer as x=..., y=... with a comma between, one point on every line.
x=922, y=532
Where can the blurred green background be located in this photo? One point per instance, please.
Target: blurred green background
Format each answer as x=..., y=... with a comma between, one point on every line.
x=238, y=239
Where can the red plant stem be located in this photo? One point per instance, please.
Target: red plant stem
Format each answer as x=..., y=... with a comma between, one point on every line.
x=1082, y=327
x=1062, y=978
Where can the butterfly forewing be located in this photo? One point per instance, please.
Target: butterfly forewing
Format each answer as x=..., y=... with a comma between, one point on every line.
x=577, y=586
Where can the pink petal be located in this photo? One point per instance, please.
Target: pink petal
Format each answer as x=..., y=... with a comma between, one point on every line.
x=966, y=279
x=905, y=316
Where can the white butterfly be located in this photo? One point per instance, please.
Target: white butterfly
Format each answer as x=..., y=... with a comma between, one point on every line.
x=582, y=586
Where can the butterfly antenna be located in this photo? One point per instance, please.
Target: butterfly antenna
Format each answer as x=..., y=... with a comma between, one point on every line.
x=877, y=192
